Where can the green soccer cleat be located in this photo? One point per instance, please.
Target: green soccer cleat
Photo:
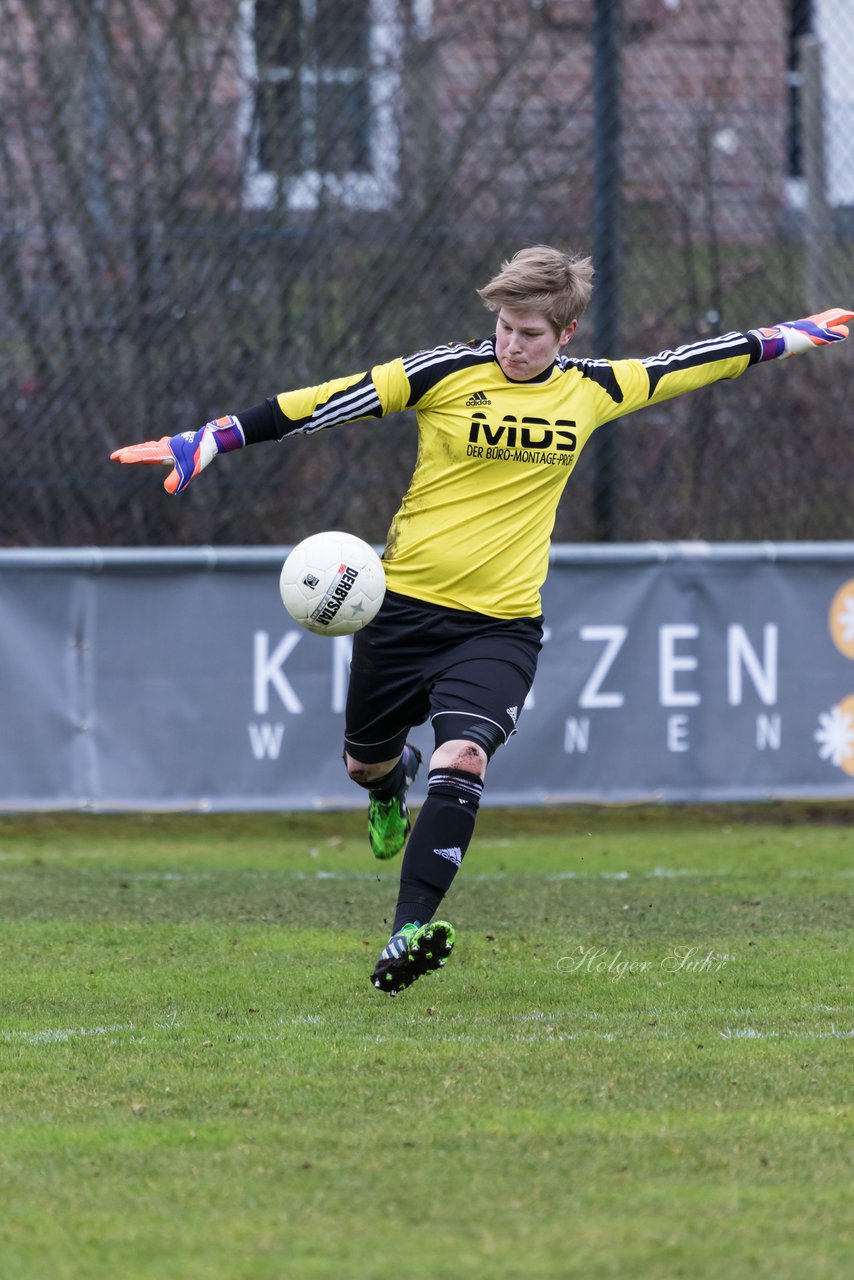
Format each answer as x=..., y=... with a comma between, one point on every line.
x=415, y=949
x=388, y=820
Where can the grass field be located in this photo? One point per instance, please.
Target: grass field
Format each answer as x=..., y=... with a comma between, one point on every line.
x=637, y=1063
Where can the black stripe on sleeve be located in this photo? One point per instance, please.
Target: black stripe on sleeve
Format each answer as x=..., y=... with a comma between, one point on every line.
x=266, y=421
x=602, y=373
x=425, y=369
x=358, y=400
x=708, y=351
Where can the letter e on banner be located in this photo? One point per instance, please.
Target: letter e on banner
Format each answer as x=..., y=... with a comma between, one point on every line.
x=677, y=733
x=669, y=662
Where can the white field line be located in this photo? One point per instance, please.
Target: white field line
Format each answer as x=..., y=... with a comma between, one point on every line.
x=546, y=1032
x=654, y=873
x=59, y=1035
x=657, y=873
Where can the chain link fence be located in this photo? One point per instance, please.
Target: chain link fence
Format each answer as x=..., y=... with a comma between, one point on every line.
x=203, y=202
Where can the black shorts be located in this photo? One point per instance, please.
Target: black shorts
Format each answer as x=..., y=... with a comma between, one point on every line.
x=462, y=670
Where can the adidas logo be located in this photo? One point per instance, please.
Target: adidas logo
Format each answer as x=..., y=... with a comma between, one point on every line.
x=513, y=713
x=454, y=855
x=478, y=399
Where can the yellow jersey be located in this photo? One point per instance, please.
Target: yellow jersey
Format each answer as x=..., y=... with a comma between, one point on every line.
x=474, y=527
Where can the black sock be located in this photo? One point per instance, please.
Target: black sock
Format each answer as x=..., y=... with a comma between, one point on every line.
x=437, y=844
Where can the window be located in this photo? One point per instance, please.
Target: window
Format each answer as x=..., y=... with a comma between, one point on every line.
x=321, y=124
x=831, y=22
x=800, y=25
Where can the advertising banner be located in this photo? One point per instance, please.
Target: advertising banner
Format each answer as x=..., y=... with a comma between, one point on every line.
x=175, y=679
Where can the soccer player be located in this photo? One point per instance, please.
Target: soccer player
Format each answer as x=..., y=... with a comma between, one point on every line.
x=501, y=423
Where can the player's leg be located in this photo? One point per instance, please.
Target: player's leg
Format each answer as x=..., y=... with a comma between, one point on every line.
x=386, y=694
x=476, y=703
x=387, y=783
x=442, y=833
x=446, y=820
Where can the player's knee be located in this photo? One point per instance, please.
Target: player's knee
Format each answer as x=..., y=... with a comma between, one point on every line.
x=356, y=771
x=461, y=754
x=364, y=774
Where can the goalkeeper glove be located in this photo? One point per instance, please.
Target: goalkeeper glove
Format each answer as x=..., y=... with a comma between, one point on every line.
x=187, y=453
x=793, y=337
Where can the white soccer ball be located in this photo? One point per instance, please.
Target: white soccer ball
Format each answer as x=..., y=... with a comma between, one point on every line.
x=332, y=583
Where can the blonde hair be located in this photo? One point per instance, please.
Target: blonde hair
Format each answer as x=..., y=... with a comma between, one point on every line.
x=556, y=285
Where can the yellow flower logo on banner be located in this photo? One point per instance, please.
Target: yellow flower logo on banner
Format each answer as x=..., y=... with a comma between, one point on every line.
x=835, y=734
x=841, y=619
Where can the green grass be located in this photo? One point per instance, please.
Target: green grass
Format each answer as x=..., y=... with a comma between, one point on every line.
x=636, y=1064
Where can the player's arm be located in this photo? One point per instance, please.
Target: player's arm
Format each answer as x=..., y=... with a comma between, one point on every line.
x=632, y=384
x=350, y=399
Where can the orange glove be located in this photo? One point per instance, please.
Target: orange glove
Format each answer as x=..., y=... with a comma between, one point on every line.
x=793, y=337
x=187, y=453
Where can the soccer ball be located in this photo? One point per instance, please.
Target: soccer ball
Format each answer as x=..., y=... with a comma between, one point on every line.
x=332, y=584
